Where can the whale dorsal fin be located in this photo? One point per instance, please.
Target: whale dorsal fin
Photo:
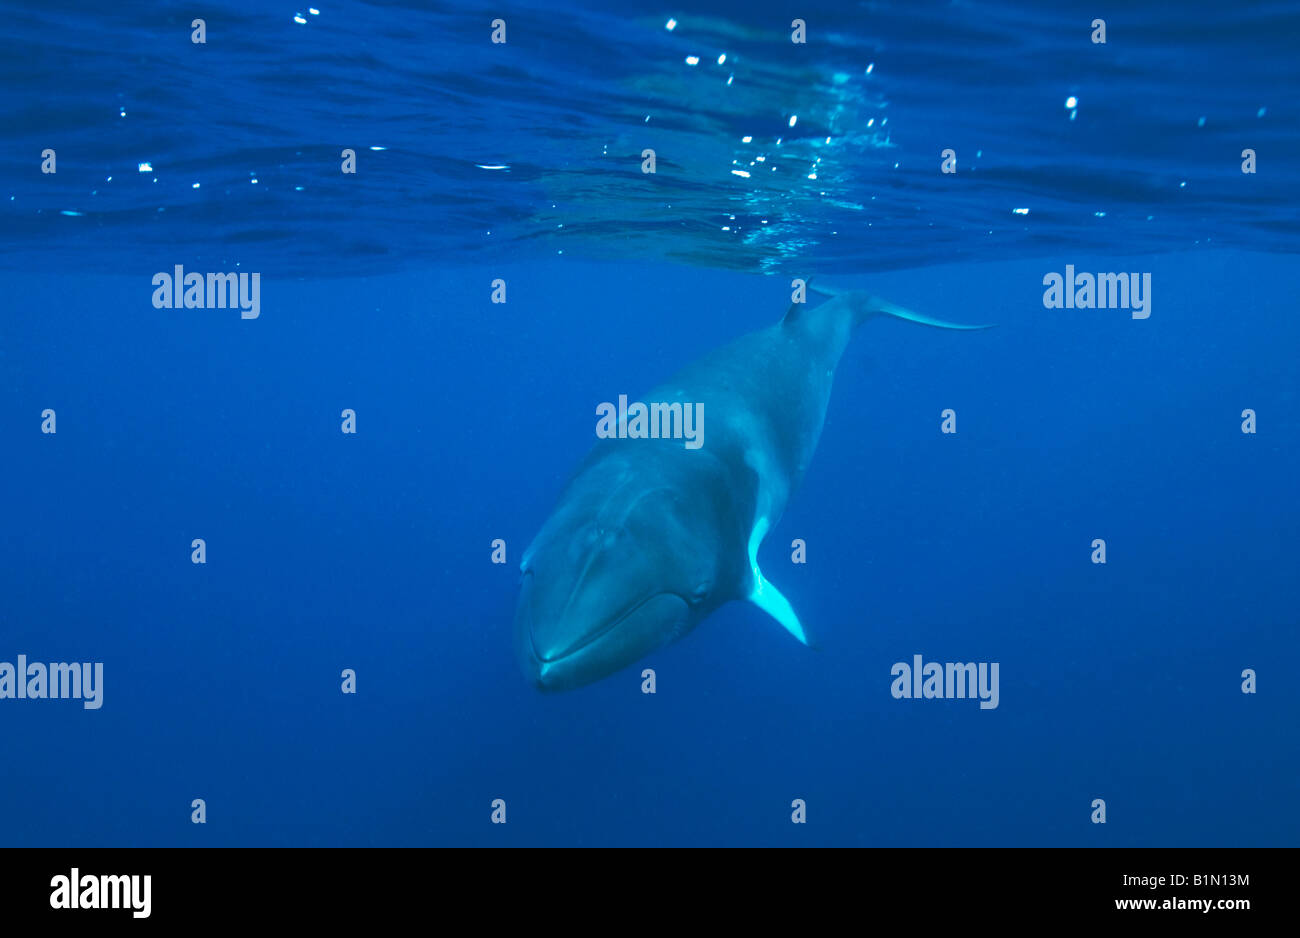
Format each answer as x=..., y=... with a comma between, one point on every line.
x=795, y=309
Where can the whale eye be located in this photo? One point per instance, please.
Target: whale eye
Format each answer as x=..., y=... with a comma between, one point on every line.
x=701, y=590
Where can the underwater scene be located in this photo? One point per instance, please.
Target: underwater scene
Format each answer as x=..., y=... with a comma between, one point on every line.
x=579, y=423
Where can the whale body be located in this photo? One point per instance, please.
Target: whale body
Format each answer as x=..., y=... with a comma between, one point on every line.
x=650, y=537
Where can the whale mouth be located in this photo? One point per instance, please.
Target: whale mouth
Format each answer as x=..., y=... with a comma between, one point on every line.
x=642, y=626
x=589, y=639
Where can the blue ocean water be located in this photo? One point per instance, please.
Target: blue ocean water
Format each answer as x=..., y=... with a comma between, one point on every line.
x=522, y=162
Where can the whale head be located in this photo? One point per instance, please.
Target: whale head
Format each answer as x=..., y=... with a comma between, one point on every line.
x=620, y=569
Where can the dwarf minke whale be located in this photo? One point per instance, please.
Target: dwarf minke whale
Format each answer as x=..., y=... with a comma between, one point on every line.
x=650, y=537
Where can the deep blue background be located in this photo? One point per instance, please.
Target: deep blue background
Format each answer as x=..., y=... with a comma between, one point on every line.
x=371, y=552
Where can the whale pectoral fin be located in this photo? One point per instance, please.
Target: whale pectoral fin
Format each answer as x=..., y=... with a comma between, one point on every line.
x=768, y=598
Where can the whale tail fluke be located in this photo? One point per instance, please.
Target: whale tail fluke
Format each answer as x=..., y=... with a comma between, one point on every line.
x=867, y=305
x=879, y=307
